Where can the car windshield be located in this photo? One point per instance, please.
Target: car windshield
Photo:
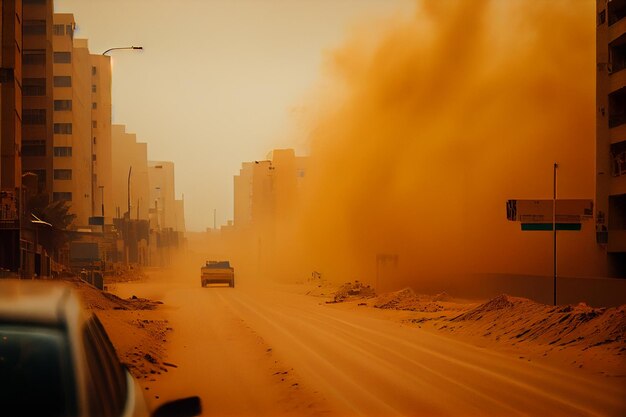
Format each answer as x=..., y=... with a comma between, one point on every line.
x=35, y=372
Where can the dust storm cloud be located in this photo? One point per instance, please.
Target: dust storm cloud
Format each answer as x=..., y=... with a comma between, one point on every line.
x=433, y=123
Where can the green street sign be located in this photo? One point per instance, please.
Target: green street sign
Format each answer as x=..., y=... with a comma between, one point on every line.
x=548, y=226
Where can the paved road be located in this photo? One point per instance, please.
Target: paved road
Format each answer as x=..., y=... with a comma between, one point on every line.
x=250, y=351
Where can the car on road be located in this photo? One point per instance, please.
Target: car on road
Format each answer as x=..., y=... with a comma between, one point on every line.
x=217, y=272
x=57, y=360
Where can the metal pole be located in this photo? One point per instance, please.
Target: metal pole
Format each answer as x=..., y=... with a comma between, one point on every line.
x=130, y=169
x=102, y=198
x=122, y=47
x=554, y=227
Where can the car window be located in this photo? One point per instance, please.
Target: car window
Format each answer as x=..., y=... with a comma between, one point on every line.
x=36, y=375
x=107, y=390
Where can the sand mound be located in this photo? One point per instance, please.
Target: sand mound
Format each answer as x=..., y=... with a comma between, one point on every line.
x=95, y=299
x=139, y=341
x=353, y=290
x=444, y=296
x=519, y=320
x=407, y=299
x=501, y=302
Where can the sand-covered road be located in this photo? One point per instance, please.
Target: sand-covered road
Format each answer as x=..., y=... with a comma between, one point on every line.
x=257, y=351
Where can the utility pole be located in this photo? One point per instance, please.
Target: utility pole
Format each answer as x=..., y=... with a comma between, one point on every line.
x=556, y=166
x=130, y=170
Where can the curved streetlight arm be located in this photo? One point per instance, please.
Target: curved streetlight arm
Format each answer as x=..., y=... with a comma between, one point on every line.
x=37, y=220
x=122, y=47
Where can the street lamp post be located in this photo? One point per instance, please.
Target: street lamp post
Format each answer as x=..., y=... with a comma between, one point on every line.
x=37, y=222
x=123, y=47
x=101, y=187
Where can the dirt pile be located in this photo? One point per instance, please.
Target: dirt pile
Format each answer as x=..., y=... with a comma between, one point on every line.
x=95, y=299
x=525, y=320
x=143, y=353
x=407, y=299
x=520, y=321
x=138, y=338
x=353, y=290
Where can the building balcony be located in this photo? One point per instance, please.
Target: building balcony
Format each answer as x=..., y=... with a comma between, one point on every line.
x=617, y=29
x=617, y=134
x=617, y=80
x=618, y=184
x=617, y=241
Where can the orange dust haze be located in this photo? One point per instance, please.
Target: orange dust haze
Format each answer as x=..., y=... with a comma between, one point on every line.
x=433, y=123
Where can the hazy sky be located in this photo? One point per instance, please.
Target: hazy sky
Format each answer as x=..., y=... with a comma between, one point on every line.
x=218, y=80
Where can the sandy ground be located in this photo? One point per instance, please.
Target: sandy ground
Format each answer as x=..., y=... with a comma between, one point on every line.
x=290, y=351
x=578, y=335
x=135, y=328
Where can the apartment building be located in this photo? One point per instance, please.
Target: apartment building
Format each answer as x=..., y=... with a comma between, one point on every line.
x=72, y=124
x=162, y=193
x=167, y=225
x=268, y=189
x=611, y=132
x=101, y=137
x=130, y=184
x=37, y=139
x=266, y=195
x=10, y=135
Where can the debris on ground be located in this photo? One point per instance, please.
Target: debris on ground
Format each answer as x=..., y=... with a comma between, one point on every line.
x=138, y=338
x=407, y=299
x=352, y=290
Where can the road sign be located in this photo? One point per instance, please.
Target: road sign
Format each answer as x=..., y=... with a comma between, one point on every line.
x=540, y=211
x=548, y=226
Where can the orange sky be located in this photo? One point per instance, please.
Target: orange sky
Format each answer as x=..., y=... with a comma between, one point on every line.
x=219, y=82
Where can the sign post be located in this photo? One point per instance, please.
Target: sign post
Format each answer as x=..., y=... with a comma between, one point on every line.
x=554, y=226
x=550, y=215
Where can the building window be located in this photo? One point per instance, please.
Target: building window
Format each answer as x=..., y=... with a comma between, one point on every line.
x=94, y=140
x=94, y=105
x=94, y=70
x=32, y=87
x=93, y=88
x=62, y=57
x=617, y=52
x=62, y=151
x=34, y=116
x=618, y=159
x=57, y=196
x=34, y=56
x=617, y=108
x=7, y=75
x=34, y=27
x=34, y=147
x=62, y=174
x=62, y=81
x=69, y=29
x=58, y=30
x=94, y=124
x=63, y=128
x=62, y=105
x=616, y=11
